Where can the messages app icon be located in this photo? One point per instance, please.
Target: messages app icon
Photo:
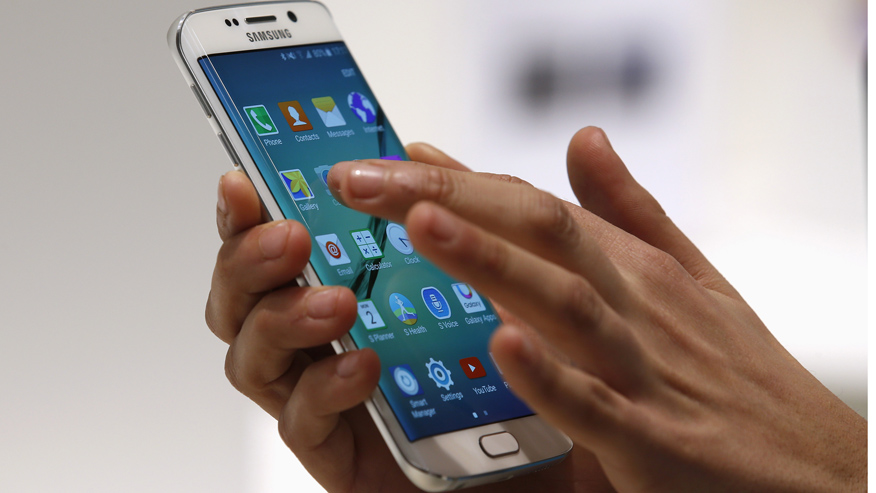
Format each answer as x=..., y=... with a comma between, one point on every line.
x=329, y=112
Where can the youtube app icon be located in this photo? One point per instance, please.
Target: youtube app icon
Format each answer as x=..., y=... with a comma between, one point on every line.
x=472, y=367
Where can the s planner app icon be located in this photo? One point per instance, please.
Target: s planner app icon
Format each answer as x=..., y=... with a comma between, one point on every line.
x=295, y=117
x=468, y=297
x=405, y=379
x=329, y=112
x=296, y=185
x=435, y=302
x=332, y=249
x=260, y=120
x=472, y=367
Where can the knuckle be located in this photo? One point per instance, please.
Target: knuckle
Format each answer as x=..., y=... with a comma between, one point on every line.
x=232, y=372
x=504, y=178
x=551, y=219
x=495, y=259
x=581, y=306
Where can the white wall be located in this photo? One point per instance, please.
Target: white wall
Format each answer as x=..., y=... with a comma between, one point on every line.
x=750, y=133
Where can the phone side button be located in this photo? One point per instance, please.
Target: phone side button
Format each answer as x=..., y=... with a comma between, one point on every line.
x=200, y=97
x=499, y=444
x=228, y=149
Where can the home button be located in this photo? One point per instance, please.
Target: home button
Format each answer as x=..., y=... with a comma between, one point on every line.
x=499, y=444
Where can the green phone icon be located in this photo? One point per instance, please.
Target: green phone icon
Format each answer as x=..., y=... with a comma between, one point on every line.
x=260, y=120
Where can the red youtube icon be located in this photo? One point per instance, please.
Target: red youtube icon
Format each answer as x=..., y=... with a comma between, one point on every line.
x=472, y=367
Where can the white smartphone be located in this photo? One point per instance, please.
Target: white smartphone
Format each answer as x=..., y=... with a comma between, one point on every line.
x=287, y=100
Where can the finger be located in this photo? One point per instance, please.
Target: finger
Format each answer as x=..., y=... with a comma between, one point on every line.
x=428, y=154
x=238, y=207
x=583, y=406
x=564, y=307
x=263, y=361
x=310, y=423
x=531, y=218
x=605, y=187
x=249, y=264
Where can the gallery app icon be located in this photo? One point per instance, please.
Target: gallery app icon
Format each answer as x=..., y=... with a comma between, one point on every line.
x=366, y=243
x=295, y=116
x=435, y=302
x=260, y=120
x=369, y=315
x=402, y=308
x=468, y=297
x=405, y=379
x=329, y=112
x=332, y=249
x=296, y=185
x=472, y=367
x=362, y=107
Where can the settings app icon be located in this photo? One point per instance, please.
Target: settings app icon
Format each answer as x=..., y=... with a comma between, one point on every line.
x=439, y=374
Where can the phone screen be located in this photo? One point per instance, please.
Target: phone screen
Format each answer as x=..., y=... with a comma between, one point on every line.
x=301, y=109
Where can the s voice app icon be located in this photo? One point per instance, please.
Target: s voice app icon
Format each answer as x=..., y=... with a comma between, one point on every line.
x=435, y=302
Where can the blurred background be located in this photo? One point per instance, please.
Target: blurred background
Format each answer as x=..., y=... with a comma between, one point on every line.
x=746, y=119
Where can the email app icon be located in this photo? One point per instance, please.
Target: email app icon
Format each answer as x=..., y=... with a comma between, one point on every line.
x=329, y=112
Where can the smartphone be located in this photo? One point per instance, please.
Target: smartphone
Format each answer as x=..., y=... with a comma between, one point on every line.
x=287, y=101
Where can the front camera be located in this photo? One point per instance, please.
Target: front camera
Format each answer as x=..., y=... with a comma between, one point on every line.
x=292, y=16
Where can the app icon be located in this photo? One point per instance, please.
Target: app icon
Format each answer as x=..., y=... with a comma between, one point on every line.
x=322, y=173
x=403, y=309
x=405, y=379
x=296, y=185
x=362, y=107
x=332, y=249
x=366, y=243
x=295, y=116
x=472, y=367
x=394, y=157
x=439, y=374
x=260, y=120
x=435, y=302
x=329, y=112
x=398, y=237
x=469, y=298
x=370, y=317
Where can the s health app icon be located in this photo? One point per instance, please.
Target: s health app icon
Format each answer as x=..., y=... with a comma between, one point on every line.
x=296, y=185
x=435, y=302
x=260, y=120
x=329, y=111
x=468, y=297
x=405, y=379
x=332, y=249
x=402, y=308
x=362, y=107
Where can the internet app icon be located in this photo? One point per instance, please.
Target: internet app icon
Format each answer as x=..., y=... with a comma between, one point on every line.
x=329, y=112
x=435, y=302
x=296, y=185
x=362, y=107
x=403, y=309
x=405, y=379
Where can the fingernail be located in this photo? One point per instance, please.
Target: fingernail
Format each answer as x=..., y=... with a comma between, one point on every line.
x=272, y=240
x=365, y=181
x=220, y=203
x=348, y=365
x=322, y=304
x=442, y=226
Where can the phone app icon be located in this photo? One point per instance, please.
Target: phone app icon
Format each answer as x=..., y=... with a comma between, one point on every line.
x=439, y=374
x=366, y=243
x=403, y=309
x=468, y=297
x=435, y=302
x=405, y=379
x=332, y=249
x=322, y=172
x=329, y=112
x=362, y=107
x=260, y=120
x=369, y=315
x=296, y=185
x=295, y=116
x=472, y=367
x=398, y=238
